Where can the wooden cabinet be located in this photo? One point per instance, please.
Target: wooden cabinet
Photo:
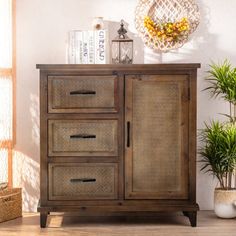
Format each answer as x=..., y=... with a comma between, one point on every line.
x=118, y=138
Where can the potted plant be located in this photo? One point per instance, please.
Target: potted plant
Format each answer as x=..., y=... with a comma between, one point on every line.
x=218, y=149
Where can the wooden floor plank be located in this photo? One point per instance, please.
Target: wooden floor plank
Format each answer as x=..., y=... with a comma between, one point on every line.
x=161, y=225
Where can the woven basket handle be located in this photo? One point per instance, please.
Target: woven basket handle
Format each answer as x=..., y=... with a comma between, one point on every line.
x=3, y=186
x=7, y=199
x=8, y=196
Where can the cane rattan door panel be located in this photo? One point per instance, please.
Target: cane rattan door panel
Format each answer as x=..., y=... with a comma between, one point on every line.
x=82, y=94
x=156, y=161
x=83, y=138
x=82, y=181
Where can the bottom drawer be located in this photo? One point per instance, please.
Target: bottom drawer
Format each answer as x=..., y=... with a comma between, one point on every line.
x=82, y=181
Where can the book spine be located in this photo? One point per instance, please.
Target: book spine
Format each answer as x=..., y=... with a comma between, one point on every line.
x=78, y=47
x=71, y=48
x=67, y=51
x=81, y=47
x=101, y=47
x=85, y=52
x=107, y=47
x=91, y=47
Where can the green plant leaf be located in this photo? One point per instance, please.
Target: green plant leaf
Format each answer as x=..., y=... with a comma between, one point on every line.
x=222, y=78
x=219, y=150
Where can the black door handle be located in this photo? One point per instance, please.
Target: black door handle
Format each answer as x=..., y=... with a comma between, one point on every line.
x=83, y=180
x=83, y=136
x=83, y=92
x=128, y=134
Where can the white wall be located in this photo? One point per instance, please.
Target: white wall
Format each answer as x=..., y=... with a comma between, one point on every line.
x=42, y=27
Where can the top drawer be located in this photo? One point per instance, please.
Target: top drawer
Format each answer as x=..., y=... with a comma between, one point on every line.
x=82, y=94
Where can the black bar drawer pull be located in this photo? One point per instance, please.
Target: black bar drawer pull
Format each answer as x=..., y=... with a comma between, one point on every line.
x=83, y=180
x=128, y=134
x=83, y=136
x=83, y=92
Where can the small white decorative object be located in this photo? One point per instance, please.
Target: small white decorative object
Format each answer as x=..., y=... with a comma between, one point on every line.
x=166, y=24
x=98, y=23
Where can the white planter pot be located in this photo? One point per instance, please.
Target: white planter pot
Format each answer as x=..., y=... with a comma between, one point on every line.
x=225, y=203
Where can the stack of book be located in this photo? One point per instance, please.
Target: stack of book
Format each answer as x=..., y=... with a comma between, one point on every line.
x=88, y=47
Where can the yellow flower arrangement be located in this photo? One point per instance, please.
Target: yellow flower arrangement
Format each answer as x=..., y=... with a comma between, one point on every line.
x=168, y=31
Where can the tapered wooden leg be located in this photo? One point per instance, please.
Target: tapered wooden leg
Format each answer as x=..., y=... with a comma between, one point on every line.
x=192, y=215
x=43, y=219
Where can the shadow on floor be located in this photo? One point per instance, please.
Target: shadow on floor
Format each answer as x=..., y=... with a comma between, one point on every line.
x=72, y=220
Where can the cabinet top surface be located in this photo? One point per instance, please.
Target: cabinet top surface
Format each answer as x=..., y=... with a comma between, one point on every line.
x=172, y=66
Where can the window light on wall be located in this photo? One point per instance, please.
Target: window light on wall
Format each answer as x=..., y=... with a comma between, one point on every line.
x=7, y=81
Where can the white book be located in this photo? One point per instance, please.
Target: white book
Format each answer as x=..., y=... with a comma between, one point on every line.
x=71, y=47
x=101, y=47
x=78, y=46
x=85, y=56
x=91, y=47
x=67, y=51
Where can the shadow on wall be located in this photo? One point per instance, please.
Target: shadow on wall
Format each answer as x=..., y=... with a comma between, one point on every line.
x=26, y=167
x=138, y=54
x=199, y=41
x=26, y=176
x=202, y=47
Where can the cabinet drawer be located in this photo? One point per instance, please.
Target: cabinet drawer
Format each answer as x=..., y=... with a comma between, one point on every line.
x=83, y=138
x=73, y=181
x=82, y=94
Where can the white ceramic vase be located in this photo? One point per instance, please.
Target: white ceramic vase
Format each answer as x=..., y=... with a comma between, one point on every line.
x=225, y=203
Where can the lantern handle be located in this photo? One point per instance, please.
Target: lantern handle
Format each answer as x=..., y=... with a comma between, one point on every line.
x=122, y=31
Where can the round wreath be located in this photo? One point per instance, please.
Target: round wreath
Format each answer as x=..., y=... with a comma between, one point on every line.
x=166, y=24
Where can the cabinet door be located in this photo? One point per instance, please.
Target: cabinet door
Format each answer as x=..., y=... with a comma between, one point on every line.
x=156, y=154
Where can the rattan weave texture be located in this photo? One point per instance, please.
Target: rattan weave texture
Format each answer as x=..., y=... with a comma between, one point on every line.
x=62, y=87
x=10, y=204
x=103, y=131
x=104, y=186
x=156, y=146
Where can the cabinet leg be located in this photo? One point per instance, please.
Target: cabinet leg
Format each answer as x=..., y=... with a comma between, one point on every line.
x=43, y=219
x=185, y=213
x=192, y=215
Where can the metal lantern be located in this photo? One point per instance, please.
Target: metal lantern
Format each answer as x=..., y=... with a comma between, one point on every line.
x=122, y=47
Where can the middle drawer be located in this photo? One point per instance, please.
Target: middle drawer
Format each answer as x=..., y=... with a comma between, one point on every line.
x=83, y=138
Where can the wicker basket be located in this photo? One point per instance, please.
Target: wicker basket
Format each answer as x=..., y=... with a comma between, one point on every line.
x=10, y=204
